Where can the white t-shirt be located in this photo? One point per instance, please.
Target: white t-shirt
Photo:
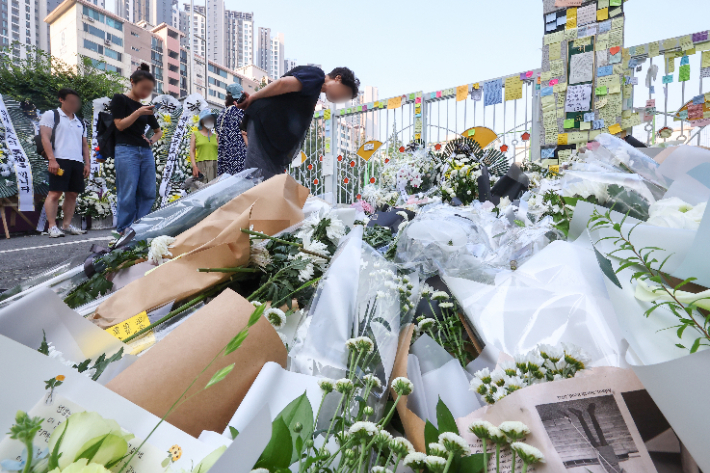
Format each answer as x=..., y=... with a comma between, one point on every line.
x=68, y=143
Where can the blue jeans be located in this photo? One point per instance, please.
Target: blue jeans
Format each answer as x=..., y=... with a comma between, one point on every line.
x=135, y=181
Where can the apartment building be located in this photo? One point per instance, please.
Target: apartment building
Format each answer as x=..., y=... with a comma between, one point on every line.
x=153, y=12
x=238, y=39
x=174, y=60
x=219, y=77
x=289, y=64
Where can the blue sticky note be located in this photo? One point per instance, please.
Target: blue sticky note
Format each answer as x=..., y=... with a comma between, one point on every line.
x=597, y=124
x=550, y=27
x=493, y=92
x=668, y=79
x=698, y=100
x=605, y=71
x=546, y=153
x=550, y=17
x=615, y=58
x=684, y=61
x=432, y=95
x=652, y=89
x=545, y=91
x=562, y=20
x=633, y=62
x=683, y=115
x=589, y=117
x=605, y=26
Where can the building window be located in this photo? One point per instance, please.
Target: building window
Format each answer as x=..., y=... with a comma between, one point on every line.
x=114, y=24
x=172, y=68
x=133, y=33
x=173, y=81
x=113, y=54
x=114, y=39
x=172, y=54
x=172, y=34
x=97, y=48
x=92, y=30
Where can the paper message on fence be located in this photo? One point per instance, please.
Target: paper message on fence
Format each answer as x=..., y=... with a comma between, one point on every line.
x=578, y=98
x=581, y=68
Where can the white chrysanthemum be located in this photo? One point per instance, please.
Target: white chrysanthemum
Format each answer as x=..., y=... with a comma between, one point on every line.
x=326, y=385
x=344, y=386
x=440, y=296
x=514, y=429
x=256, y=303
x=454, y=444
x=403, y=214
x=336, y=230
x=436, y=463
x=380, y=469
x=259, y=256
x=372, y=380
x=318, y=247
x=575, y=355
x=527, y=453
x=260, y=470
x=513, y=383
x=481, y=428
x=535, y=361
x=500, y=394
x=363, y=429
x=484, y=375
x=446, y=305
x=402, y=386
x=426, y=324
x=478, y=386
x=497, y=435
x=552, y=353
x=498, y=377
x=275, y=316
x=415, y=461
x=364, y=344
x=504, y=203
x=382, y=438
x=401, y=446
x=509, y=368
x=307, y=273
x=437, y=450
x=159, y=249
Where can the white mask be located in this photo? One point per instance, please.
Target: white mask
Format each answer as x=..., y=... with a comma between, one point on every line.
x=208, y=125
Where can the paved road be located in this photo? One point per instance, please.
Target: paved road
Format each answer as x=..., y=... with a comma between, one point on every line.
x=21, y=257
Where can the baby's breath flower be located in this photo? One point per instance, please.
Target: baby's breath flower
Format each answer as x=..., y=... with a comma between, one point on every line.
x=344, y=386
x=437, y=450
x=276, y=317
x=481, y=428
x=454, y=444
x=402, y=386
x=436, y=464
x=401, y=446
x=326, y=385
x=527, y=453
x=514, y=429
x=415, y=461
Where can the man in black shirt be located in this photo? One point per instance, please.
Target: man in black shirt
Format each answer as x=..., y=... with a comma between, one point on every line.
x=278, y=116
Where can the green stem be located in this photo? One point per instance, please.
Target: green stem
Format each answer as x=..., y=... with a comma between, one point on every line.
x=396, y=464
x=377, y=458
x=299, y=289
x=319, y=408
x=485, y=454
x=30, y=452
x=227, y=270
x=170, y=315
x=451, y=459
x=263, y=236
x=384, y=421
x=513, y=462
x=497, y=458
x=525, y=466
x=362, y=455
x=332, y=421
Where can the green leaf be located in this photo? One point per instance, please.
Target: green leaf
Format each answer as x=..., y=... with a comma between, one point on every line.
x=233, y=432
x=90, y=452
x=278, y=452
x=256, y=315
x=696, y=345
x=299, y=411
x=471, y=464
x=607, y=269
x=445, y=419
x=431, y=434
x=236, y=342
x=53, y=461
x=220, y=375
x=44, y=347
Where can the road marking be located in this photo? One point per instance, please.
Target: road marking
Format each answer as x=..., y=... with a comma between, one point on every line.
x=58, y=244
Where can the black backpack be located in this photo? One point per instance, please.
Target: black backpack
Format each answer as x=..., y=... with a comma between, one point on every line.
x=38, y=137
x=105, y=136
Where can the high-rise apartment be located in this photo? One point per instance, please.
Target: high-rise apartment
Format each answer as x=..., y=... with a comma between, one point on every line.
x=288, y=65
x=153, y=12
x=277, y=56
x=199, y=24
x=270, y=53
x=263, y=49
x=215, y=35
x=238, y=39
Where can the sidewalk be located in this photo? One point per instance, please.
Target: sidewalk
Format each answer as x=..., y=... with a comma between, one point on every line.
x=21, y=257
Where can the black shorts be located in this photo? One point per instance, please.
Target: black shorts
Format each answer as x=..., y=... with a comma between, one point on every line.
x=72, y=180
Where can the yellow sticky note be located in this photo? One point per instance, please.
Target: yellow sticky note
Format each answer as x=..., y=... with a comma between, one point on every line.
x=653, y=49
x=571, y=18
x=513, y=88
x=686, y=42
x=577, y=137
x=585, y=126
x=670, y=44
x=707, y=97
x=129, y=327
x=326, y=114
x=476, y=86
x=554, y=169
x=562, y=139
x=705, y=61
x=555, y=51
x=603, y=14
x=395, y=102
x=615, y=89
x=601, y=104
x=702, y=46
x=615, y=129
x=545, y=76
x=461, y=92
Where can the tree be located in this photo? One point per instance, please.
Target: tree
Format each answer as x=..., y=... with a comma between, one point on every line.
x=314, y=142
x=261, y=84
x=39, y=77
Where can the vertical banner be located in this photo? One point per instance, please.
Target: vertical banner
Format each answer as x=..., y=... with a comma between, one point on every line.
x=99, y=105
x=193, y=104
x=23, y=171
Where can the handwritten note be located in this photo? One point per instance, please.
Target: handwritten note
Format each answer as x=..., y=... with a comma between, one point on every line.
x=684, y=73
x=571, y=18
x=686, y=42
x=568, y=3
x=605, y=26
x=562, y=139
x=493, y=92
x=461, y=92
x=395, y=102
x=555, y=51
x=653, y=49
x=601, y=104
x=602, y=42
x=579, y=98
x=554, y=38
x=705, y=61
x=557, y=68
x=581, y=68
x=513, y=88
x=598, y=124
x=600, y=91
x=569, y=123
x=585, y=126
x=586, y=15
x=602, y=58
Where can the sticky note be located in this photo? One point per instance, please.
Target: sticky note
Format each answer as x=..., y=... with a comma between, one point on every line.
x=603, y=14
x=513, y=88
x=615, y=129
x=562, y=139
x=571, y=18
x=130, y=327
x=605, y=71
x=684, y=73
x=545, y=91
x=605, y=26
x=686, y=42
x=588, y=117
x=585, y=126
x=653, y=49
x=615, y=89
x=603, y=4
x=614, y=12
x=598, y=124
x=601, y=104
x=684, y=61
x=471, y=132
x=555, y=51
x=554, y=82
x=395, y=102
x=461, y=93
x=683, y=114
x=569, y=123
x=614, y=3
x=600, y=91
x=547, y=153
x=668, y=79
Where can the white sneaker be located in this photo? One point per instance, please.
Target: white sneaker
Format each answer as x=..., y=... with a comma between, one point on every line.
x=72, y=230
x=55, y=232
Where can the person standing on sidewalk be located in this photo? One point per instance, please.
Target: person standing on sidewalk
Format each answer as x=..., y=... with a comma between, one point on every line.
x=69, y=162
x=203, y=147
x=232, y=140
x=135, y=165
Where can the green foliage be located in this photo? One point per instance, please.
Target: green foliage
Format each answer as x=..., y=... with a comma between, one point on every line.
x=39, y=76
x=469, y=464
x=278, y=452
x=377, y=236
x=25, y=427
x=445, y=419
x=44, y=347
x=220, y=375
x=298, y=416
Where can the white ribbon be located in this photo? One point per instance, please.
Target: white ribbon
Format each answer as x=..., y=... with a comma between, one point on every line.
x=193, y=104
x=23, y=170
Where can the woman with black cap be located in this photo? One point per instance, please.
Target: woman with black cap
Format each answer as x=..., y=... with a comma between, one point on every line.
x=232, y=140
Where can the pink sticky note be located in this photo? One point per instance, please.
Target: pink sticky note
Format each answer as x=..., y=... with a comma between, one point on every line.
x=593, y=145
x=438, y=94
x=364, y=108
x=554, y=81
x=651, y=103
x=418, y=100
x=529, y=74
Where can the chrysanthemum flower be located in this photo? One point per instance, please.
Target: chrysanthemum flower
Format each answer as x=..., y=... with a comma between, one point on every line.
x=402, y=386
x=415, y=461
x=344, y=386
x=514, y=429
x=326, y=385
x=436, y=464
x=454, y=444
x=276, y=317
x=527, y=453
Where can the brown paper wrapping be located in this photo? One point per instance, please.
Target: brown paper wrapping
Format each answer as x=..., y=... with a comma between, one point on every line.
x=413, y=425
x=157, y=378
x=216, y=242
